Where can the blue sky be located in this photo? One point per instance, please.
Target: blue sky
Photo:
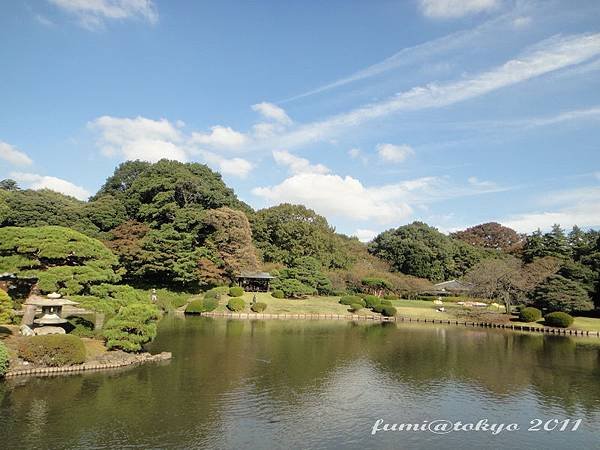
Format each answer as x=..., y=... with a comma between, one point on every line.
x=373, y=113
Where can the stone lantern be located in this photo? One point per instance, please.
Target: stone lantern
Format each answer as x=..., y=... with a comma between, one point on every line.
x=51, y=318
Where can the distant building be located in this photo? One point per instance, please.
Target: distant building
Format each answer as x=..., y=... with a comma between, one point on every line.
x=254, y=281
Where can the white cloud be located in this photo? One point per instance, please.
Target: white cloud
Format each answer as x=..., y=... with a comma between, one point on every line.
x=43, y=20
x=14, y=156
x=335, y=196
x=567, y=208
x=452, y=9
x=522, y=22
x=233, y=166
x=296, y=164
x=354, y=153
x=139, y=138
x=220, y=137
x=474, y=181
x=93, y=13
x=35, y=181
x=365, y=235
x=394, y=153
x=152, y=140
x=548, y=56
x=272, y=112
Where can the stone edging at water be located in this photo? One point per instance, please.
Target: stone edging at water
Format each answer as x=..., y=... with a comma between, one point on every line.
x=546, y=330
x=133, y=360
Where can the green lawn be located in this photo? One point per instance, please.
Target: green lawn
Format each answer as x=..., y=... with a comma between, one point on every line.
x=421, y=309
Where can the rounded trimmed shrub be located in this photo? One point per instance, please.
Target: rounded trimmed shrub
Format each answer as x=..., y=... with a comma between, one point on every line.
x=236, y=304
x=216, y=292
x=236, y=291
x=350, y=299
x=529, y=314
x=53, y=350
x=391, y=297
x=278, y=293
x=388, y=311
x=377, y=308
x=355, y=307
x=558, y=319
x=386, y=303
x=4, y=359
x=201, y=305
x=258, y=307
x=371, y=300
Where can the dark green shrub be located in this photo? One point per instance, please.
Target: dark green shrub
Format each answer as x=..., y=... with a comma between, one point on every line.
x=391, y=297
x=355, y=307
x=558, y=319
x=388, y=311
x=81, y=327
x=350, y=299
x=53, y=350
x=386, y=302
x=236, y=291
x=371, y=300
x=132, y=327
x=278, y=293
x=529, y=314
x=258, y=307
x=4, y=359
x=236, y=304
x=210, y=304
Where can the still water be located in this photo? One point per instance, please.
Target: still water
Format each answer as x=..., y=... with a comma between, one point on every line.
x=316, y=384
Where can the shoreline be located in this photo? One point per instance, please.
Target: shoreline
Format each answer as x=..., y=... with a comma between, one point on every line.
x=135, y=359
x=377, y=318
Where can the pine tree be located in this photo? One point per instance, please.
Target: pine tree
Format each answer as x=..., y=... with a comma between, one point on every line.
x=556, y=243
x=534, y=246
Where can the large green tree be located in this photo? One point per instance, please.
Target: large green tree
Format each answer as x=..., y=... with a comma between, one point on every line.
x=64, y=260
x=558, y=293
x=420, y=250
x=491, y=235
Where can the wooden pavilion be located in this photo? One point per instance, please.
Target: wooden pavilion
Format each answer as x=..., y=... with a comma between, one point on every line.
x=254, y=281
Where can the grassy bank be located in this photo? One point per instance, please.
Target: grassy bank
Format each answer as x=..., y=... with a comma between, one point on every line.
x=421, y=309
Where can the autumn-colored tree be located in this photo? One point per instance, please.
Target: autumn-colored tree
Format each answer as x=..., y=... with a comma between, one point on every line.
x=491, y=235
x=229, y=236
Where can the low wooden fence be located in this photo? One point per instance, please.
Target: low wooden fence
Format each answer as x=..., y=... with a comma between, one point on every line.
x=377, y=318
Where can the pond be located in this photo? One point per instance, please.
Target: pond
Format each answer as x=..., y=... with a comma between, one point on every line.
x=236, y=384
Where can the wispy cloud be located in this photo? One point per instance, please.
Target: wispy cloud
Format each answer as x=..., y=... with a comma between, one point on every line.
x=567, y=208
x=13, y=156
x=547, y=56
x=421, y=53
x=297, y=165
x=394, y=153
x=452, y=9
x=92, y=14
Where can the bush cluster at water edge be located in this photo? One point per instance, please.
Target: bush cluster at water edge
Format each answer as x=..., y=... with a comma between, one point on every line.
x=201, y=305
x=278, y=293
x=558, y=319
x=258, y=307
x=236, y=304
x=53, y=350
x=4, y=359
x=529, y=314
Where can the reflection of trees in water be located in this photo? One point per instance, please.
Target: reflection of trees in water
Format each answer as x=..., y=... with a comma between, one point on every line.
x=560, y=370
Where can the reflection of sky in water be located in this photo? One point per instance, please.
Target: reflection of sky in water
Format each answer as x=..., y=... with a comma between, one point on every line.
x=236, y=384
